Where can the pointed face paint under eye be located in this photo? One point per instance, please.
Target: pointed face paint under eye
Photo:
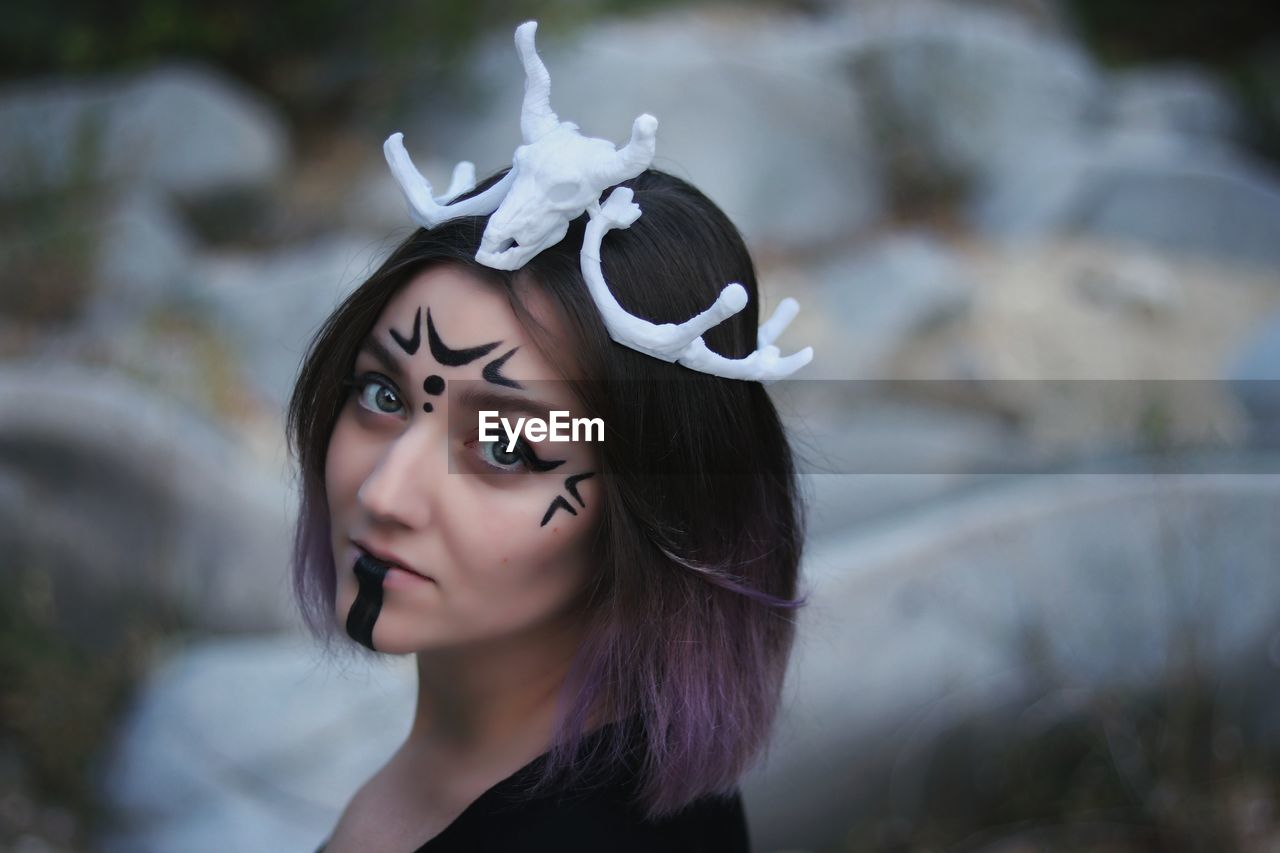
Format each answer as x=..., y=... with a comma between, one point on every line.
x=571, y=484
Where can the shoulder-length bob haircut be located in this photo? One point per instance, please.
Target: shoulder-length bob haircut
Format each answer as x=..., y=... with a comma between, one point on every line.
x=689, y=617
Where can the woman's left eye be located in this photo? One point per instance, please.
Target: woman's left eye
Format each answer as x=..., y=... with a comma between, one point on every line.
x=376, y=394
x=495, y=455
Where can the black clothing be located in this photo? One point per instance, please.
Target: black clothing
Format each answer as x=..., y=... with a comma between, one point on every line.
x=592, y=818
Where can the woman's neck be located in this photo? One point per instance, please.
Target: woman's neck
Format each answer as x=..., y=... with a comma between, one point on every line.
x=488, y=702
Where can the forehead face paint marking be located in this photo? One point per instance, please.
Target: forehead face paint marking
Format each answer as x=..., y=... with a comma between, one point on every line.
x=433, y=385
x=570, y=483
x=411, y=344
x=453, y=357
x=492, y=374
x=370, y=574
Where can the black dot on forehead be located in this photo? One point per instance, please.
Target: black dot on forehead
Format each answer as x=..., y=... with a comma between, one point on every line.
x=433, y=384
x=427, y=407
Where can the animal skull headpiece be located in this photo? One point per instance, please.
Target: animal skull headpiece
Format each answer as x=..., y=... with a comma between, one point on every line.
x=557, y=175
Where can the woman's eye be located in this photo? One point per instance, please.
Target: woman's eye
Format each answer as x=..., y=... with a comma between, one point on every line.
x=496, y=455
x=376, y=394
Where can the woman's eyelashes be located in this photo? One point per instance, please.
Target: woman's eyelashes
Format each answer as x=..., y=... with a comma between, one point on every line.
x=496, y=455
x=376, y=393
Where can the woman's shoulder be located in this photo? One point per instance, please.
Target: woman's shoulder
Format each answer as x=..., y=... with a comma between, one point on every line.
x=602, y=819
x=603, y=815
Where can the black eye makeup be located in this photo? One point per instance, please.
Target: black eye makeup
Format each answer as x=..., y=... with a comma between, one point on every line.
x=495, y=455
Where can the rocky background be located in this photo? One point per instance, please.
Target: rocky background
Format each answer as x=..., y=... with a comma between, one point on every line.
x=1037, y=249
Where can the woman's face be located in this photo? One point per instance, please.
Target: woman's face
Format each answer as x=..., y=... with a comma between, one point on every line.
x=491, y=544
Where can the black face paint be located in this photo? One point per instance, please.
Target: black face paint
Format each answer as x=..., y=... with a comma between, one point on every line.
x=570, y=483
x=411, y=344
x=433, y=385
x=558, y=503
x=370, y=574
x=491, y=370
x=453, y=357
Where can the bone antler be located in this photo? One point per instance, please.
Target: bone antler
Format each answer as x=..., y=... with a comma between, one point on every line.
x=429, y=211
x=683, y=343
x=537, y=119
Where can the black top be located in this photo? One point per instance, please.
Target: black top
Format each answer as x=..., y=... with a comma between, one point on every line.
x=588, y=819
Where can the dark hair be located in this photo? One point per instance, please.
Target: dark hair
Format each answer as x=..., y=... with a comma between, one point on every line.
x=690, y=618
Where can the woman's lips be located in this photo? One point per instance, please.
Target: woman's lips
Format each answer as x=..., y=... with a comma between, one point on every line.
x=397, y=572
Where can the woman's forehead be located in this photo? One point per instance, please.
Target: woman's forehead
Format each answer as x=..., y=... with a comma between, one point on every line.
x=452, y=310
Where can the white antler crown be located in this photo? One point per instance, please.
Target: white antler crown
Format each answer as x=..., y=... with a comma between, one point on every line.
x=557, y=175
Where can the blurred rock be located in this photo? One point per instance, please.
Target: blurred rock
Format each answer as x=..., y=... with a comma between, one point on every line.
x=953, y=91
x=753, y=110
x=1254, y=378
x=1174, y=99
x=1141, y=284
x=1159, y=190
x=982, y=608
x=270, y=304
x=252, y=743
x=182, y=129
x=872, y=300
x=126, y=497
x=144, y=259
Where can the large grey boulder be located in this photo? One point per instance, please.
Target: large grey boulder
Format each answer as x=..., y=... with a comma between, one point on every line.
x=129, y=498
x=252, y=743
x=268, y=305
x=1254, y=377
x=868, y=302
x=143, y=261
x=1148, y=187
x=753, y=110
x=952, y=91
x=183, y=129
x=1039, y=589
x=1178, y=99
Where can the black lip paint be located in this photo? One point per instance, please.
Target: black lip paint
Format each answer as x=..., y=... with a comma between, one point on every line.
x=370, y=574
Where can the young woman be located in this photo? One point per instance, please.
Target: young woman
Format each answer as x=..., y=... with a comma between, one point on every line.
x=601, y=627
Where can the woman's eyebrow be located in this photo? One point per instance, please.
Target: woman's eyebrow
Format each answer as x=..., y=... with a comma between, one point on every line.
x=479, y=398
x=382, y=353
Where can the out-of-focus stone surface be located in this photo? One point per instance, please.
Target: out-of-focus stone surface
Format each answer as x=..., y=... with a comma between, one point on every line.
x=123, y=493
x=1152, y=187
x=252, y=743
x=752, y=108
x=1063, y=584
x=183, y=129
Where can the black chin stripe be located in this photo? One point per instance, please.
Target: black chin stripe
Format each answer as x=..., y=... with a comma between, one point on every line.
x=453, y=357
x=370, y=574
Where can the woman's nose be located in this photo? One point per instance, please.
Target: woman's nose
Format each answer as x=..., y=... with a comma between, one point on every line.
x=400, y=488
